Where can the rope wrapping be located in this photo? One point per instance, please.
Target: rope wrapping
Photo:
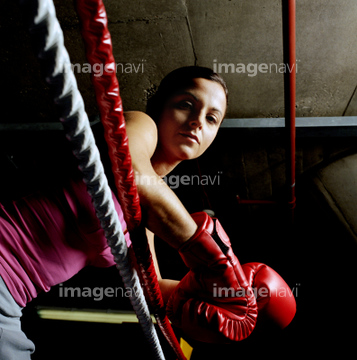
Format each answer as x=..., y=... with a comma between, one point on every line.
x=97, y=38
x=95, y=33
x=49, y=46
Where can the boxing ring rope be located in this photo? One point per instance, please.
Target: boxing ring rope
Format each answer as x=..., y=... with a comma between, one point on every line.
x=95, y=33
x=98, y=43
x=49, y=46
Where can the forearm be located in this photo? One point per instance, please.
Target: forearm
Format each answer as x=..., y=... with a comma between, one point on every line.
x=167, y=286
x=163, y=212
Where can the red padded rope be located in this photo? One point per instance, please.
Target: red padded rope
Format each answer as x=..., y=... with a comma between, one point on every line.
x=152, y=290
x=99, y=51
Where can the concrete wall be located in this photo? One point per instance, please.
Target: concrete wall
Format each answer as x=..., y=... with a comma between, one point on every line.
x=163, y=35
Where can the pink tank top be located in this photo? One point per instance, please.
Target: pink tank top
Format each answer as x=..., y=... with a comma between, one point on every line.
x=46, y=240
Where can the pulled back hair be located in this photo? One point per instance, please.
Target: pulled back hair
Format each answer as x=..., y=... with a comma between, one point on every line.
x=177, y=80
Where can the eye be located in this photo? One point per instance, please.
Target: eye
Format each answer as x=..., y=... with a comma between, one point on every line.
x=212, y=119
x=185, y=105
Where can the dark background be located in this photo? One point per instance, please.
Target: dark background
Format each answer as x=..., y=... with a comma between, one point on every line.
x=316, y=254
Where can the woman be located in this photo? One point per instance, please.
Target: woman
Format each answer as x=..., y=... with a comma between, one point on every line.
x=182, y=120
x=48, y=236
x=185, y=115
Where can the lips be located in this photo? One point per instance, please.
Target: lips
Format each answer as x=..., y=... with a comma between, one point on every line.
x=190, y=136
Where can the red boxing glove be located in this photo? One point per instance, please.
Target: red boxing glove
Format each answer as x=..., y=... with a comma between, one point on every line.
x=194, y=307
x=276, y=302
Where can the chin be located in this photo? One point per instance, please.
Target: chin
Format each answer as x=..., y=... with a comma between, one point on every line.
x=188, y=156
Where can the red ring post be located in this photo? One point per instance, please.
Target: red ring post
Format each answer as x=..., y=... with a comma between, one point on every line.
x=289, y=48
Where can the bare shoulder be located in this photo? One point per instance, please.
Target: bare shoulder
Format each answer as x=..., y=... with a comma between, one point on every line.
x=139, y=118
x=140, y=123
x=142, y=133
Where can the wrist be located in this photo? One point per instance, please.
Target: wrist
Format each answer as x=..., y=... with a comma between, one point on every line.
x=167, y=286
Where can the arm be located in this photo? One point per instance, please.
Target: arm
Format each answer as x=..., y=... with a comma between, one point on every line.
x=209, y=264
x=163, y=213
x=167, y=286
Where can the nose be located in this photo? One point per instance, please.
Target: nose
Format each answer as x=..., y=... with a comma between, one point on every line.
x=197, y=120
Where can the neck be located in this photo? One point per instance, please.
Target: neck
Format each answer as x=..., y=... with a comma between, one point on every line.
x=162, y=164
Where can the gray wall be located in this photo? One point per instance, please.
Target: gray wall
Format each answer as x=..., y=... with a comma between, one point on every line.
x=163, y=35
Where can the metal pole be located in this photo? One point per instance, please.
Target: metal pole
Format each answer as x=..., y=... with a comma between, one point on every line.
x=289, y=49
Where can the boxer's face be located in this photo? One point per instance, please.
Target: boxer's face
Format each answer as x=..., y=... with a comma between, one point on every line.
x=191, y=118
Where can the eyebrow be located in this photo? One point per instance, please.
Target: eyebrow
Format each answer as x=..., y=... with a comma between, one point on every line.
x=197, y=99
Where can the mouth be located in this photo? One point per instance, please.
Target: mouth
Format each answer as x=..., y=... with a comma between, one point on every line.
x=191, y=137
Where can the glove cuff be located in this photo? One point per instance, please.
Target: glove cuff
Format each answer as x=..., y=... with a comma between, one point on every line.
x=203, y=248
x=210, y=248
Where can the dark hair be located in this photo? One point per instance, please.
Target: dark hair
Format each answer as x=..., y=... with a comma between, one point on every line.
x=177, y=80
